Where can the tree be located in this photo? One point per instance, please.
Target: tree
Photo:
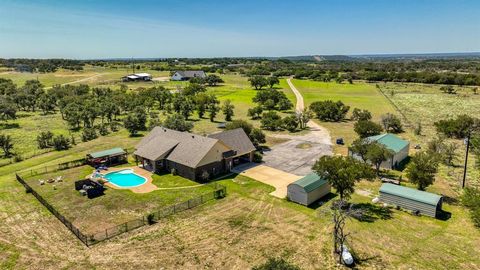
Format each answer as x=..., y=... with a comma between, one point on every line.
x=271, y=121
x=391, y=123
x=342, y=173
x=32, y=89
x=7, y=110
x=177, y=122
x=46, y=103
x=360, y=148
x=448, y=89
x=135, y=121
x=290, y=123
x=272, y=80
x=61, y=142
x=361, y=115
x=89, y=134
x=213, y=80
x=329, y=110
x=213, y=109
x=72, y=114
x=193, y=88
x=304, y=117
x=6, y=144
x=272, y=99
x=458, y=127
x=422, y=169
x=255, y=112
x=254, y=134
x=44, y=139
x=161, y=95
x=367, y=128
x=377, y=153
x=227, y=110
x=258, y=82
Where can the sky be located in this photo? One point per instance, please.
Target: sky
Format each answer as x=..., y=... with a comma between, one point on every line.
x=88, y=29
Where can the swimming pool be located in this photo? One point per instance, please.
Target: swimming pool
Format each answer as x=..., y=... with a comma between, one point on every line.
x=125, y=178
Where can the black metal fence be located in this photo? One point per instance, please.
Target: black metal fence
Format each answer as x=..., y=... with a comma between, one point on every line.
x=54, y=168
x=219, y=191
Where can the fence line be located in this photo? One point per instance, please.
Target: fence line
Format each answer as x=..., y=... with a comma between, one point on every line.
x=219, y=191
x=405, y=119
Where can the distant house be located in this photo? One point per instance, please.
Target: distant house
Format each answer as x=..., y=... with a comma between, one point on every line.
x=399, y=147
x=308, y=189
x=137, y=77
x=421, y=202
x=193, y=156
x=187, y=75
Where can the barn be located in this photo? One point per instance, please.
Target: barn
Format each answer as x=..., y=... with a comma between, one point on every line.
x=398, y=146
x=308, y=189
x=421, y=202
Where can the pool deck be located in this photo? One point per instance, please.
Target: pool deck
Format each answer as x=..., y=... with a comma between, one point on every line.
x=145, y=188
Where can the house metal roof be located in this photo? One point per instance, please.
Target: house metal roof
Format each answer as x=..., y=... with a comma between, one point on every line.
x=310, y=182
x=410, y=193
x=109, y=152
x=192, y=73
x=390, y=141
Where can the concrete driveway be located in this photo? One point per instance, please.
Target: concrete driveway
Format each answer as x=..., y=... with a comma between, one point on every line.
x=270, y=176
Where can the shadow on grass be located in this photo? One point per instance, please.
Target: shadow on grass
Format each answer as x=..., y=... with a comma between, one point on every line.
x=322, y=201
x=443, y=215
x=9, y=125
x=372, y=212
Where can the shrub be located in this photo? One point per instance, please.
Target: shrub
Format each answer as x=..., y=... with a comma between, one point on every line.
x=391, y=123
x=361, y=115
x=89, y=134
x=151, y=219
x=44, y=139
x=329, y=110
x=471, y=200
x=271, y=121
x=290, y=123
x=257, y=157
x=255, y=112
x=61, y=142
x=103, y=130
x=367, y=128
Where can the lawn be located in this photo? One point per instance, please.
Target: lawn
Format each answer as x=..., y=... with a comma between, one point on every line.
x=358, y=95
x=116, y=206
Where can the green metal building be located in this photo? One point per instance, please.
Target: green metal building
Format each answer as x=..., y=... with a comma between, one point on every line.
x=421, y=202
x=308, y=189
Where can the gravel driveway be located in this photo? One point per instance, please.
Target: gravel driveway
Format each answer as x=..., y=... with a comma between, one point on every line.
x=298, y=155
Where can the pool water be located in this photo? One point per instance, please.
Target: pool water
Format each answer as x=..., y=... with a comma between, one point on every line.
x=125, y=178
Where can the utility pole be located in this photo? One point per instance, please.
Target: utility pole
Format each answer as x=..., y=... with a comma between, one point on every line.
x=466, y=160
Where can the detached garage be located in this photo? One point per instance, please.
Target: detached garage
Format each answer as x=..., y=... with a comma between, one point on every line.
x=421, y=202
x=308, y=189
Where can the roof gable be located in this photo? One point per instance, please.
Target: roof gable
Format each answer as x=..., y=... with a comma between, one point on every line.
x=310, y=182
x=189, y=150
x=410, y=193
x=390, y=141
x=236, y=139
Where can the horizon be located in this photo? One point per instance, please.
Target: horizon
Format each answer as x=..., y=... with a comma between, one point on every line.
x=255, y=29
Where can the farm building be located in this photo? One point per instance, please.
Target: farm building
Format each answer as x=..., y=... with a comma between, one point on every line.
x=187, y=75
x=399, y=147
x=107, y=157
x=421, y=202
x=137, y=77
x=194, y=156
x=308, y=189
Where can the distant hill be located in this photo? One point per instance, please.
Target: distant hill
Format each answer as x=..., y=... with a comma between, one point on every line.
x=419, y=56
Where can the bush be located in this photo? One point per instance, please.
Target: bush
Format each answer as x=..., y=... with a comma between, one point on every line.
x=367, y=128
x=103, y=130
x=471, y=200
x=271, y=121
x=361, y=115
x=329, y=110
x=257, y=157
x=114, y=126
x=61, y=142
x=44, y=139
x=89, y=134
x=391, y=123
x=255, y=112
x=290, y=123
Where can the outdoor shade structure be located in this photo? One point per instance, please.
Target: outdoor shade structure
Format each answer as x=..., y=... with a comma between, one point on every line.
x=398, y=146
x=107, y=157
x=420, y=202
x=308, y=189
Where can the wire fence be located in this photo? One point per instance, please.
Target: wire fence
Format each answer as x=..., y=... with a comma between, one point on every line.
x=53, y=168
x=219, y=191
